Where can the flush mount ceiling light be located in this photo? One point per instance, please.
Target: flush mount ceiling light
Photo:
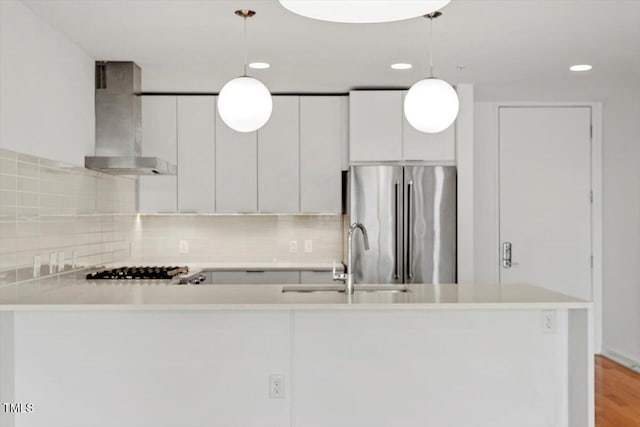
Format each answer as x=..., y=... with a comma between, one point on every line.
x=363, y=11
x=581, y=67
x=401, y=66
x=431, y=105
x=244, y=103
x=259, y=65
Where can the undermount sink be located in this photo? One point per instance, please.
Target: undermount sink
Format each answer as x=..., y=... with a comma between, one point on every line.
x=341, y=288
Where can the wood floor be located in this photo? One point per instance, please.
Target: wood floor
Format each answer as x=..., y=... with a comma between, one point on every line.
x=617, y=395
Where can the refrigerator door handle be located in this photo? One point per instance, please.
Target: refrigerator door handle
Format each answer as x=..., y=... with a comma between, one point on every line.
x=409, y=232
x=397, y=232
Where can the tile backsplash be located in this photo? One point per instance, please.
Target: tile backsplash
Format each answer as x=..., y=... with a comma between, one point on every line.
x=237, y=238
x=68, y=216
x=71, y=217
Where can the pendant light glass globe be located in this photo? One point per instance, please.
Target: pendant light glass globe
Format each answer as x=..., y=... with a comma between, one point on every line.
x=431, y=105
x=362, y=11
x=244, y=104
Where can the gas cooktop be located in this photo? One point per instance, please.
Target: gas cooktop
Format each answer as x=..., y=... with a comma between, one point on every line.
x=136, y=273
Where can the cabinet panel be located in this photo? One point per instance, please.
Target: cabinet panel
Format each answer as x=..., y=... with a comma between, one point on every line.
x=317, y=278
x=375, y=126
x=427, y=146
x=278, y=167
x=196, y=154
x=158, y=194
x=321, y=144
x=252, y=277
x=236, y=170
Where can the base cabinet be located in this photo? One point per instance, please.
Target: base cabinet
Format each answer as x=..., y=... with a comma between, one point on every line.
x=342, y=367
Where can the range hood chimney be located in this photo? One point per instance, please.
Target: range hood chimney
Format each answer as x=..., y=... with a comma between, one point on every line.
x=119, y=123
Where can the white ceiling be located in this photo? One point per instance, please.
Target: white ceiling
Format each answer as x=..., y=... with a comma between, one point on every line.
x=510, y=49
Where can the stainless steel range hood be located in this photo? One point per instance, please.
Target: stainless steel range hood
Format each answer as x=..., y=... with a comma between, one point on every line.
x=119, y=123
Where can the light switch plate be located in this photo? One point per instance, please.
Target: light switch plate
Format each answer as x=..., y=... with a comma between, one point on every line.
x=184, y=246
x=37, y=264
x=308, y=246
x=293, y=246
x=53, y=263
x=60, y=261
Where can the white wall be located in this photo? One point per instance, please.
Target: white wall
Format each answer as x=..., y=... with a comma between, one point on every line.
x=485, y=189
x=621, y=215
x=621, y=224
x=46, y=89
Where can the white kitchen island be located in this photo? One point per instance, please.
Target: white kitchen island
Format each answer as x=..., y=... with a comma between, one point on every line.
x=149, y=354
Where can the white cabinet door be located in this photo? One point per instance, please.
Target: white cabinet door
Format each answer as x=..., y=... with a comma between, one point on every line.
x=158, y=194
x=196, y=154
x=545, y=209
x=322, y=139
x=236, y=170
x=428, y=146
x=375, y=125
x=278, y=168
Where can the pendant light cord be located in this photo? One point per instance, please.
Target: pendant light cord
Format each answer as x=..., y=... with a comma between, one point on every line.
x=245, y=47
x=431, y=46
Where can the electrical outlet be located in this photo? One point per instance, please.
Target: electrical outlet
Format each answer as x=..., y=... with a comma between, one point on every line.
x=37, y=264
x=308, y=246
x=53, y=262
x=293, y=246
x=184, y=246
x=60, y=261
x=549, y=322
x=276, y=386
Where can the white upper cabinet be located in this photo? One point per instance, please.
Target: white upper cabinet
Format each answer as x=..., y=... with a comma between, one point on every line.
x=196, y=154
x=291, y=165
x=278, y=167
x=158, y=194
x=236, y=166
x=322, y=139
x=375, y=126
x=380, y=132
x=422, y=146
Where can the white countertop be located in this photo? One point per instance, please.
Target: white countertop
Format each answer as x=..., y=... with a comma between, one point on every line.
x=72, y=291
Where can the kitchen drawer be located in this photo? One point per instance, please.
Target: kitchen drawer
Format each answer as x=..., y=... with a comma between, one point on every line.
x=252, y=277
x=317, y=278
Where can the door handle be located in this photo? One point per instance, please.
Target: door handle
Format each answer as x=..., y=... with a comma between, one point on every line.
x=506, y=255
x=409, y=263
x=397, y=232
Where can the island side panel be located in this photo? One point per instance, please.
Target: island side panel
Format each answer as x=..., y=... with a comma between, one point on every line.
x=151, y=368
x=581, y=369
x=474, y=368
x=6, y=367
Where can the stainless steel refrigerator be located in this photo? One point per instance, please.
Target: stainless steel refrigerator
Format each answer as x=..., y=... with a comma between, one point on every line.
x=410, y=216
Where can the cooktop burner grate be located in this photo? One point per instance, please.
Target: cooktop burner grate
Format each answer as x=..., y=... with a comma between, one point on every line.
x=138, y=273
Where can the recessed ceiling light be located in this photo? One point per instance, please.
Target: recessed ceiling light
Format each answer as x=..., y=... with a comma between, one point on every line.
x=581, y=67
x=401, y=66
x=259, y=65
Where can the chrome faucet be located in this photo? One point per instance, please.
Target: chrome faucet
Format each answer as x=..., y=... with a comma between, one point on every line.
x=348, y=277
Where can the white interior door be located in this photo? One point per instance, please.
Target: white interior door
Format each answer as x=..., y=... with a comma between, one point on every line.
x=545, y=197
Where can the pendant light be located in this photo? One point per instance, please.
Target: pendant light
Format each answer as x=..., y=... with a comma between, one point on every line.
x=362, y=11
x=244, y=103
x=431, y=104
